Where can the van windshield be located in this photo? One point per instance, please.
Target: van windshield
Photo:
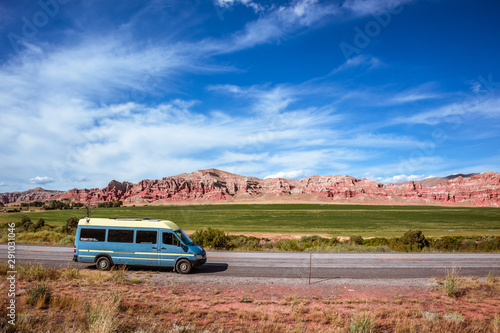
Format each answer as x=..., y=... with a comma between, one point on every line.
x=184, y=238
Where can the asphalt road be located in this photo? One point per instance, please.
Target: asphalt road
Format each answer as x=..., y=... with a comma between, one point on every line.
x=299, y=265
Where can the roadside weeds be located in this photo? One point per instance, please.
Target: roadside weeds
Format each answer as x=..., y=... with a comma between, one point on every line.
x=120, y=300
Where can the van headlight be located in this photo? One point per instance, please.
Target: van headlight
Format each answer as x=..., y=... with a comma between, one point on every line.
x=199, y=256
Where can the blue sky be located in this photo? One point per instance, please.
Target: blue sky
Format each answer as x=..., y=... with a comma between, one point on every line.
x=92, y=91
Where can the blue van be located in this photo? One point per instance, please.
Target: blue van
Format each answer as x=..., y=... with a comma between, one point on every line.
x=124, y=241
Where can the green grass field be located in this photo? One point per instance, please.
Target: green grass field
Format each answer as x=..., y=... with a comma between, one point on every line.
x=334, y=220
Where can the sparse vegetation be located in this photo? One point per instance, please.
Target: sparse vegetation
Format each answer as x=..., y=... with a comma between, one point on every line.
x=51, y=228
x=362, y=324
x=68, y=299
x=39, y=295
x=211, y=238
x=110, y=204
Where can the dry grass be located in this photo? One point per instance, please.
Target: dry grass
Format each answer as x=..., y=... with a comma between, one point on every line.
x=122, y=301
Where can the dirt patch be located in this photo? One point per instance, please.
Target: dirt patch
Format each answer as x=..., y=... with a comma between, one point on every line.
x=152, y=301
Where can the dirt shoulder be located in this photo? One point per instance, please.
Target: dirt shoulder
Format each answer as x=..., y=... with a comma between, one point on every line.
x=156, y=301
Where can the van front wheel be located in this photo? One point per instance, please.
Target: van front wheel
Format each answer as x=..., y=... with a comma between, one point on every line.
x=103, y=263
x=183, y=266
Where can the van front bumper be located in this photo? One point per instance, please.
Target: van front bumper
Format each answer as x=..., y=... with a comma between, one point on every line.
x=198, y=262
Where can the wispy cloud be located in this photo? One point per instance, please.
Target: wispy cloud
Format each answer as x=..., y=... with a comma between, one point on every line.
x=358, y=61
x=423, y=92
x=295, y=174
x=454, y=112
x=41, y=180
x=368, y=7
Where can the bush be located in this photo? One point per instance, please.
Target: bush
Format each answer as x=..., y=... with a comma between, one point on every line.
x=489, y=244
x=26, y=222
x=71, y=225
x=212, y=238
x=414, y=240
x=39, y=295
x=110, y=204
x=55, y=204
x=242, y=242
x=376, y=242
x=287, y=245
x=356, y=240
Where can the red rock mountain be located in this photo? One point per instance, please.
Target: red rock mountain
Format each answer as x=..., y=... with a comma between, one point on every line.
x=214, y=185
x=36, y=194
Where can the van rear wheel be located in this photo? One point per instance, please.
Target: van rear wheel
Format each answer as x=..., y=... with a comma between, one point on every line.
x=103, y=263
x=183, y=266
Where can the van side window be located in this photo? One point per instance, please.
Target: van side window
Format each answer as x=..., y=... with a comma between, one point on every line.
x=121, y=236
x=145, y=237
x=92, y=235
x=170, y=239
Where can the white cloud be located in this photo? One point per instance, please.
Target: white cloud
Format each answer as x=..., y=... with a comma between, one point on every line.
x=249, y=3
x=367, y=7
x=41, y=180
x=81, y=179
x=297, y=174
x=358, y=61
x=455, y=113
x=401, y=178
x=279, y=23
x=414, y=95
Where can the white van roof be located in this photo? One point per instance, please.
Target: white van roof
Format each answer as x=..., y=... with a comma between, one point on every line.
x=129, y=223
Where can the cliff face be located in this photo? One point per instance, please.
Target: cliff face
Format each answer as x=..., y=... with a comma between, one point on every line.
x=36, y=194
x=215, y=185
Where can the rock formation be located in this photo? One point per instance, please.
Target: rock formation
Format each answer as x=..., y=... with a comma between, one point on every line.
x=36, y=194
x=215, y=185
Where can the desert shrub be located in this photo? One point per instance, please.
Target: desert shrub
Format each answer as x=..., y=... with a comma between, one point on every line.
x=309, y=242
x=413, y=240
x=287, y=245
x=376, y=242
x=468, y=245
x=71, y=225
x=362, y=324
x=37, y=273
x=489, y=244
x=67, y=240
x=212, y=238
x=356, y=240
x=37, y=226
x=39, y=295
x=26, y=222
x=245, y=243
x=449, y=243
x=451, y=283
x=103, y=315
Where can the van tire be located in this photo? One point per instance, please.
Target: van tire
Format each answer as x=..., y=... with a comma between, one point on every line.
x=183, y=266
x=103, y=263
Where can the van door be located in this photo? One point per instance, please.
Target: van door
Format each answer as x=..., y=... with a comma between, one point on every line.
x=146, y=247
x=170, y=248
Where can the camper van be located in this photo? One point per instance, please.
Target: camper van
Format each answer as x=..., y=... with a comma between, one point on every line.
x=125, y=241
